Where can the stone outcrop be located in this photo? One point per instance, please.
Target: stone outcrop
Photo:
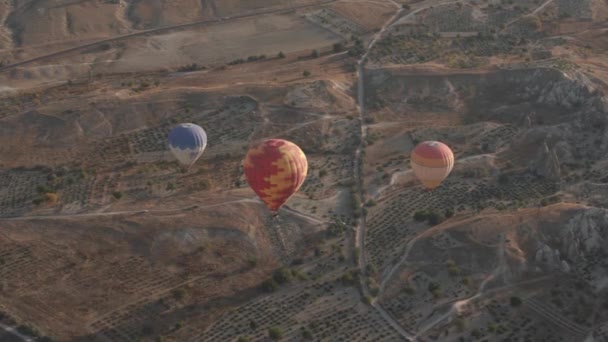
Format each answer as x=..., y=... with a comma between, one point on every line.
x=580, y=246
x=546, y=163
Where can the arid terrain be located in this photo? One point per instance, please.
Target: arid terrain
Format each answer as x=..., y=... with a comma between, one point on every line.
x=103, y=237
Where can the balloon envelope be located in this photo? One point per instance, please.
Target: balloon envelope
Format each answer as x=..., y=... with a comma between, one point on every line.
x=187, y=143
x=275, y=169
x=432, y=162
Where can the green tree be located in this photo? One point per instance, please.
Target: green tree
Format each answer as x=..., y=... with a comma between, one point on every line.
x=435, y=218
x=516, y=301
x=282, y=276
x=275, y=333
x=270, y=285
x=306, y=73
x=449, y=213
x=281, y=54
x=460, y=324
x=306, y=334
x=179, y=294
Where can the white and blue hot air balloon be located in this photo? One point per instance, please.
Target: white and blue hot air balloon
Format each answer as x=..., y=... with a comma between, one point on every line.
x=187, y=142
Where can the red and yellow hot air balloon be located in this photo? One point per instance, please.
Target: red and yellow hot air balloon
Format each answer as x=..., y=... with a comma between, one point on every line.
x=432, y=162
x=275, y=169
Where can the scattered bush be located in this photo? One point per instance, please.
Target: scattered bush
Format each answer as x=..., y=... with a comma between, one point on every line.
x=188, y=68
x=282, y=276
x=275, y=333
x=515, y=301
x=432, y=217
x=449, y=213
x=270, y=285
x=306, y=334
x=460, y=324
x=27, y=330
x=179, y=294
x=51, y=198
x=44, y=189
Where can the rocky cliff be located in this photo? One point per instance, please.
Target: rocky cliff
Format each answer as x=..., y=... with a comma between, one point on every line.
x=580, y=246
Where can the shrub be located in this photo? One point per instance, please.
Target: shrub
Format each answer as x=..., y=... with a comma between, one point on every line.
x=306, y=73
x=460, y=324
x=306, y=334
x=244, y=339
x=449, y=213
x=275, y=333
x=282, y=276
x=147, y=329
x=117, y=194
x=179, y=294
x=281, y=54
x=204, y=184
x=516, y=301
x=421, y=215
x=435, y=218
x=338, y=47
x=270, y=285
x=44, y=189
x=27, y=330
x=51, y=198
x=349, y=278
x=453, y=269
x=409, y=290
x=434, y=288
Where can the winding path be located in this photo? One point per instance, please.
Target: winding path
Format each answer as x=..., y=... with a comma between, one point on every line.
x=358, y=166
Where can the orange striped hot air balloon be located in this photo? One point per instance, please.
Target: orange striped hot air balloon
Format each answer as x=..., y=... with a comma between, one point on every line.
x=432, y=162
x=275, y=169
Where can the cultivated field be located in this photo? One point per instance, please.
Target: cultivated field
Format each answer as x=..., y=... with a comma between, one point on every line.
x=106, y=238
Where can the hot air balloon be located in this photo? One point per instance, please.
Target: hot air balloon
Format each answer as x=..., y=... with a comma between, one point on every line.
x=432, y=162
x=187, y=142
x=275, y=169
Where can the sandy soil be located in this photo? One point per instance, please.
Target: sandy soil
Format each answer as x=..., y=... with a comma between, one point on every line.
x=222, y=43
x=369, y=15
